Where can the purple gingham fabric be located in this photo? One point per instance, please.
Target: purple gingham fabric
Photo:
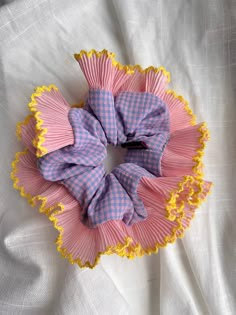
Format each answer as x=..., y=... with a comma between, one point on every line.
x=105, y=120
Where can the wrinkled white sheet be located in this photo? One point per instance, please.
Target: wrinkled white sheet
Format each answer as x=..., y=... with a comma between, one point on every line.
x=196, y=41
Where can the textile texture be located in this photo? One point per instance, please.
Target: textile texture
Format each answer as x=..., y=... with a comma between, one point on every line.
x=196, y=275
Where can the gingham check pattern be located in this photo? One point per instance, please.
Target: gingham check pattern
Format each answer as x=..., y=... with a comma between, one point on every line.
x=107, y=120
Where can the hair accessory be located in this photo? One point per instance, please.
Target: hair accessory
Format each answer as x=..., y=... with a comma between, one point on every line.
x=144, y=203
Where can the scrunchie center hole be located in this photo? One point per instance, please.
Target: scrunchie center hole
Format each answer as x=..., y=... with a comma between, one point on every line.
x=115, y=156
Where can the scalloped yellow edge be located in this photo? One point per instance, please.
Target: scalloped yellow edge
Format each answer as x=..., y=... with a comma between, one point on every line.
x=203, y=130
x=186, y=106
x=204, y=136
x=125, y=249
x=22, y=123
x=129, y=69
x=32, y=200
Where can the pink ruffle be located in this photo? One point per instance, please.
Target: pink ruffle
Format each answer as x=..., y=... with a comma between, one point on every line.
x=182, y=154
x=50, y=110
x=181, y=115
x=101, y=70
x=26, y=131
x=148, y=80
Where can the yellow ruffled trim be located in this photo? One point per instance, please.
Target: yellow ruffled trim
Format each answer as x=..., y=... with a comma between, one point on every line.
x=204, y=136
x=20, y=124
x=134, y=251
x=125, y=249
x=118, y=249
x=40, y=129
x=194, y=199
x=129, y=69
x=203, y=130
x=187, y=108
x=32, y=200
x=172, y=201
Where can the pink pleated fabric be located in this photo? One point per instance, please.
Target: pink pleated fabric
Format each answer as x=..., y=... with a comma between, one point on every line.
x=53, y=128
x=101, y=71
x=151, y=81
x=183, y=152
x=181, y=115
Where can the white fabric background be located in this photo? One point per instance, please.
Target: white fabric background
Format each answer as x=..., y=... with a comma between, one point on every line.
x=196, y=41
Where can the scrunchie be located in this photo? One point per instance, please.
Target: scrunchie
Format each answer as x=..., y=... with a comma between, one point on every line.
x=144, y=203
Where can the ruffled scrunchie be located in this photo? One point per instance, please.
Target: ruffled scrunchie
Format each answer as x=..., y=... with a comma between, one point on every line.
x=144, y=203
